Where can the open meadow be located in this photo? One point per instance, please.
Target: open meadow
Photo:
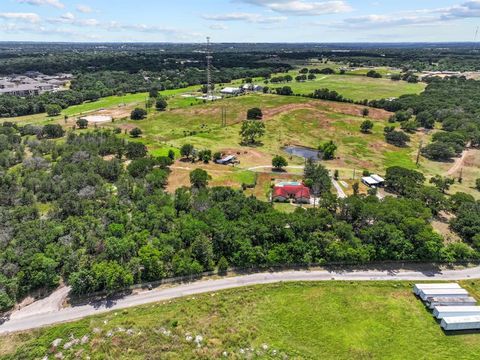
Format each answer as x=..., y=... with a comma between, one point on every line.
x=330, y=320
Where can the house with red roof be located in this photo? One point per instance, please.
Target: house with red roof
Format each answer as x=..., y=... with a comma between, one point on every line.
x=298, y=193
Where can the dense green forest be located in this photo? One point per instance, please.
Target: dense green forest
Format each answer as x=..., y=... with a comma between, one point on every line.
x=453, y=102
x=72, y=209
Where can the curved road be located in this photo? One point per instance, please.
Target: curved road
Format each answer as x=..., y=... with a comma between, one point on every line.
x=26, y=319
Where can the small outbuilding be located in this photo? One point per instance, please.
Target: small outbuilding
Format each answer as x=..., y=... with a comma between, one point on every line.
x=441, y=312
x=447, y=293
x=229, y=159
x=457, y=323
x=419, y=287
x=373, y=181
x=231, y=91
x=440, y=301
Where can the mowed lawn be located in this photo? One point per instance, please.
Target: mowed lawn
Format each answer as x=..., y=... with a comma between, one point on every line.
x=330, y=320
x=356, y=87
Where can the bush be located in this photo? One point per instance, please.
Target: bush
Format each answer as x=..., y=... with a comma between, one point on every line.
x=366, y=126
x=138, y=114
x=279, y=162
x=82, y=123
x=397, y=138
x=53, y=109
x=135, y=132
x=222, y=265
x=161, y=104
x=254, y=114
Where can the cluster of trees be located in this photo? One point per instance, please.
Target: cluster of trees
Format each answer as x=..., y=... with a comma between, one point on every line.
x=453, y=102
x=189, y=152
x=395, y=137
x=73, y=210
x=331, y=95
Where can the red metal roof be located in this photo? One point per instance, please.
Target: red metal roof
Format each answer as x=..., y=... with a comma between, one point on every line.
x=297, y=191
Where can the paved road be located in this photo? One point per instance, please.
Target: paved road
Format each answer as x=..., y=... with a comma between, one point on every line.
x=27, y=320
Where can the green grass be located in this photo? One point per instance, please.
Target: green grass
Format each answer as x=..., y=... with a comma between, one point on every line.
x=331, y=320
x=356, y=87
x=107, y=102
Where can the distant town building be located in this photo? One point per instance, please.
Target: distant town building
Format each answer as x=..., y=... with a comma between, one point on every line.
x=33, y=83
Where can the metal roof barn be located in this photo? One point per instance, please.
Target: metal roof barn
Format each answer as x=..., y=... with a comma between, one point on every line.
x=441, y=312
x=461, y=323
x=424, y=294
x=440, y=301
x=419, y=287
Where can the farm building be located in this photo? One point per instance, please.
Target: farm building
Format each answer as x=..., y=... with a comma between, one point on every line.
x=461, y=323
x=231, y=91
x=229, y=159
x=299, y=193
x=419, y=287
x=252, y=87
x=425, y=294
x=440, y=301
x=373, y=181
x=441, y=312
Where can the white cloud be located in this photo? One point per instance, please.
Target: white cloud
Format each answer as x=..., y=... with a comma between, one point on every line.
x=28, y=17
x=54, y=3
x=469, y=9
x=218, y=27
x=247, y=17
x=68, y=16
x=85, y=9
x=303, y=7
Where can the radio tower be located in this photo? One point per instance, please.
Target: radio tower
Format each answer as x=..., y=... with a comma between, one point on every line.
x=209, y=71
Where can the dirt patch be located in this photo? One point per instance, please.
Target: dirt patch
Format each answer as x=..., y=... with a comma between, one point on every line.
x=116, y=113
x=269, y=113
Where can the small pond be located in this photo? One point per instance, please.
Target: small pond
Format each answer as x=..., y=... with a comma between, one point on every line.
x=307, y=153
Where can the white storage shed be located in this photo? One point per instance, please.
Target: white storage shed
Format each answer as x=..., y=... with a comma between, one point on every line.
x=457, y=323
x=419, y=287
x=441, y=312
x=441, y=301
x=424, y=294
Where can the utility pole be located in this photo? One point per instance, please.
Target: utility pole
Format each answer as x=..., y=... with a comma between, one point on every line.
x=419, y=152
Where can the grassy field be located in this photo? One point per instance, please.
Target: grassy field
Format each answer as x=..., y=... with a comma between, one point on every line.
x=289, y=121
x=356, y=87
x=334, y=320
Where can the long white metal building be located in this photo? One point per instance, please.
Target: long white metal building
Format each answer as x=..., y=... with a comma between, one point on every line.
x=419, y=287
x=441, y=312
x=457, y=323
x=425, y=294
x=455, y=301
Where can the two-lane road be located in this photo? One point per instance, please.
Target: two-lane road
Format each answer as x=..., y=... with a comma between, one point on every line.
x=26, y=319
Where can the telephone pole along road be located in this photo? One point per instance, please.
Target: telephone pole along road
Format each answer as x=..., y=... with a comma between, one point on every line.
x=26, y=319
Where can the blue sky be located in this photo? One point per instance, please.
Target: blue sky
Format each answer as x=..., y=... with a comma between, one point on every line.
x=239, y=20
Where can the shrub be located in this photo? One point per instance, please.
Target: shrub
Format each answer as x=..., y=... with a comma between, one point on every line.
x=138, y=114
